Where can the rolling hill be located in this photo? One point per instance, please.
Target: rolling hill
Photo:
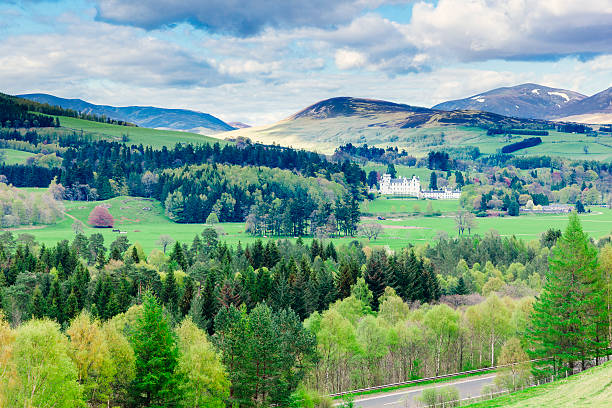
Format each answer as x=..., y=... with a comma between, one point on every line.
x=145, y=116
x=524, y=101
x=332, y=122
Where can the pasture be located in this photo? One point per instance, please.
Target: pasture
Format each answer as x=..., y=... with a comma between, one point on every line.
x=12, y=156
x=144, y=221
x=155, y=138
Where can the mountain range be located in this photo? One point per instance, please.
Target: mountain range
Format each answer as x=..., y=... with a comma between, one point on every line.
x=145, y=116
x=535, y=101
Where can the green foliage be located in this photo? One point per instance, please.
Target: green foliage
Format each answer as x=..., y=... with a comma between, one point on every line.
x=266, y=353
x=39, y=371
x=156, y=382
x=205, y=380
x=566, y=319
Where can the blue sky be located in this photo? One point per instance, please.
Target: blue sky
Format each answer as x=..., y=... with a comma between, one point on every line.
x=260, y=61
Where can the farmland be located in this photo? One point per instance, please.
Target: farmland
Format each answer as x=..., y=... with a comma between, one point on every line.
x=12, y=156
x=144, y=221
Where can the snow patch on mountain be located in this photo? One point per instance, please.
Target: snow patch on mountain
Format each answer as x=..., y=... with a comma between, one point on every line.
x=561, y=94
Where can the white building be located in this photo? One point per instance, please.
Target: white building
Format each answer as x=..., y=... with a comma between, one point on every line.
x=446, y=194
x=400, y=186
x=412, y=187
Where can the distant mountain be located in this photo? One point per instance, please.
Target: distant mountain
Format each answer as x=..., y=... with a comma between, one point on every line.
x=145, y=116
x=347, y=106
x=238, y=125
x=531, y=101
x=599, y=103
x=330, y=123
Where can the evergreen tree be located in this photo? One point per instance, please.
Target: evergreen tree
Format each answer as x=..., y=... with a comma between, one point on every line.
x=433, y=181
x=72, y=306
x=565, y=317
x=134, y=255
x=347, y=276
x=376, y=275
x=187, y=298
x=116, y=254
x=579, y=207
x=38, y=306
x=156, y=383
x=178, y=256
x=170, y=292
x=55, y=302
x=461, y=288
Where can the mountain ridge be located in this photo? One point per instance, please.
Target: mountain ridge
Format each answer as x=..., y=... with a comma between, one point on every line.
x=144, y=116
x=528, y=100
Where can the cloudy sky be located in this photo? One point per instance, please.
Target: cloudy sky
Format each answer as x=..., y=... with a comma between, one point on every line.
x=258, y=61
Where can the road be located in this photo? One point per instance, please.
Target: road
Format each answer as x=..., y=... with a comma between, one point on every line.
x=468, y=387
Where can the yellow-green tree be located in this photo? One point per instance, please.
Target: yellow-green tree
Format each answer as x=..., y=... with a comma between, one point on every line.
x=205, y=381
x=91, y=355
x=516, y=373
x=42, y=373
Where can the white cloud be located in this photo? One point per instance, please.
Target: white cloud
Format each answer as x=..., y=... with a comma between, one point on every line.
x=349, y=59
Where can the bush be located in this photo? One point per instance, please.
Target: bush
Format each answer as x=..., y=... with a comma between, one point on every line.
x=101, y=218
x=438, y=397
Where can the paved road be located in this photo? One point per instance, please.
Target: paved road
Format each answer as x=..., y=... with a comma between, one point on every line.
x=468, y=387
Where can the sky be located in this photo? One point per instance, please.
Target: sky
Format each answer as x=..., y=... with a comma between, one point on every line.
x=259, y=61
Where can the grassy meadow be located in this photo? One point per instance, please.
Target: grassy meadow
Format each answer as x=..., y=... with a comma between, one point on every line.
x=137, y=135
x=591, y=388
x=12, y=156
x=404, y=222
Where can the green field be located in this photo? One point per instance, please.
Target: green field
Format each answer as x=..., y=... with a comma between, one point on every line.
x=144, y=221
x=591, y=388
x=137, y=135
x=15, y=156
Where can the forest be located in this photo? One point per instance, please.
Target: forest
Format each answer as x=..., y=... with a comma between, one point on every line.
x=206, y=324
x=306, y=191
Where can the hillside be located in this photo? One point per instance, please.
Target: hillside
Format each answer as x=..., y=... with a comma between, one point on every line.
x=595, y=109
x=136, y=135
x=591, y=388
x=145, y=116
x=523, y=101
x=333, y=122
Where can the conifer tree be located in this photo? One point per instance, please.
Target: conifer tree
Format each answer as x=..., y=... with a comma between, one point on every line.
x=38, y=306
x=565, y=316
x=156, y=383
x=170, y=291
x=461, y=288
x=178, y=256
x=347, y=276
x=72, y=306
x=186, y=299
x=55, y=302
x=375, y=275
